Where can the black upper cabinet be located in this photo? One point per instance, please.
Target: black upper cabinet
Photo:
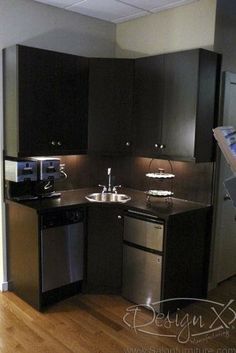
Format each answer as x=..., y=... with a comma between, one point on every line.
x=180, y=104
x=46, y=102
x=148, y=103
x=110, y=105
x=162, y=106
x=175, y=105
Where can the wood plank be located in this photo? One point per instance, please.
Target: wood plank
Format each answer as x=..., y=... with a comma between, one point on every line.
x=94, y=324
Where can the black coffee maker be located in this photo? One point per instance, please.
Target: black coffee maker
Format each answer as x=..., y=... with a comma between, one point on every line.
x=31, y=178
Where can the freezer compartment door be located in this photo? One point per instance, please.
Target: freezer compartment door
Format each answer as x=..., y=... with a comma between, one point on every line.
x=141, y=276
x=144, y=233
x=62, y=250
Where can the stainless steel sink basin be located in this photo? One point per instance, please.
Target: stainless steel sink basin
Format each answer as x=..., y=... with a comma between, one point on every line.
x=108, y=197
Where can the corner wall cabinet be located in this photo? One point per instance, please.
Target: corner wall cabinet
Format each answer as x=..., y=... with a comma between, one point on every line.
x=46, y=102
x=110, y=105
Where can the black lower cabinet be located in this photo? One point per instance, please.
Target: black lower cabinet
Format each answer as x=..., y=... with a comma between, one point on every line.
x=23, y=254
x=165, y=262
x=186, y=258
x=104, y=250
x=36, y=246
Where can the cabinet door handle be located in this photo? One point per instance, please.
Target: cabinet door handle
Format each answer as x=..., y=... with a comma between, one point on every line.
x=53, y=143
x=128, y=143
x=119, y=217
x=59, y=143
x=161, y=146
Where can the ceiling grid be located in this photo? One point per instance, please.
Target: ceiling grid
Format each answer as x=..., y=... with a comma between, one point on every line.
x=116, y=11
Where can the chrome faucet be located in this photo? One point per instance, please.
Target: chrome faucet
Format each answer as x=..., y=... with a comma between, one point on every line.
x=109, y=179
x=114, y=189
x=104, y=188
x=109, y=188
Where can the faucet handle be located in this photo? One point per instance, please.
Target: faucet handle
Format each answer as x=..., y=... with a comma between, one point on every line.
x=114, y=189
x=104, y=188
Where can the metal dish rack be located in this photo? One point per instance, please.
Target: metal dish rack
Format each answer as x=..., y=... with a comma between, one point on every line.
x=160, y=176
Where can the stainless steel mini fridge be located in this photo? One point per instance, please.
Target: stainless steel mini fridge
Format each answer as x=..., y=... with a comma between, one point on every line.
x=142, y=258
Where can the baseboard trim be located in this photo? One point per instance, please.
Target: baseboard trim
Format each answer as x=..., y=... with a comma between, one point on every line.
x=4, y=286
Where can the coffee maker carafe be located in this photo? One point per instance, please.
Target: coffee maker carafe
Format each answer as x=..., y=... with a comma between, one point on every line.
x=48, y=171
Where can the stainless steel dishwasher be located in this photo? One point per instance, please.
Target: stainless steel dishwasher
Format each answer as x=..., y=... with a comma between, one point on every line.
x=62, y=248
x=142, y=258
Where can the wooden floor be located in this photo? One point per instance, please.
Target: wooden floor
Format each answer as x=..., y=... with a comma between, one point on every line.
x=94, y=323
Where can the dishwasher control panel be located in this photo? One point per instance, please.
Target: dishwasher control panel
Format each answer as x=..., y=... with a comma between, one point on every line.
x=59, y=218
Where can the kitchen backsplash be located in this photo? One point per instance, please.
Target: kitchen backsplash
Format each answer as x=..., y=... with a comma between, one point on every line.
x=192, y=181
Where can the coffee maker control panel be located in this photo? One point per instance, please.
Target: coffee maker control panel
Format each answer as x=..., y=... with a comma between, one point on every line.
x=20, y=170
x=48, y=168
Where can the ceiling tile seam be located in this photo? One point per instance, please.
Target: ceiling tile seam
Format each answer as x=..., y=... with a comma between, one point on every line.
x=172, y=5
x=121, y=1
x=134, y=6
x=74, y=3
x=134, y=16
x=163, y=7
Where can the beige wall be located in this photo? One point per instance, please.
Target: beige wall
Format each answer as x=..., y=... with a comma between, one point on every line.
x=180, y=28
x=34, y=24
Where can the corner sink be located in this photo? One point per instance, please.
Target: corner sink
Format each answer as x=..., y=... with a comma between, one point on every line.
x=108, y=197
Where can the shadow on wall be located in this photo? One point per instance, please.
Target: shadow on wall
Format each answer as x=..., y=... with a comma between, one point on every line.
x=124, y=53
x=70, y=42
x=128, y=54
x=192, y=182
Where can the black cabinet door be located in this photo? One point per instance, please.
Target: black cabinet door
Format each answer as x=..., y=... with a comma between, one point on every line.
x=180, y=104
x=104, y=249
x=148, y=105
x=51, y=101
x=187, y=255
x=190, y=104
x=175, y=103
x=110, y=106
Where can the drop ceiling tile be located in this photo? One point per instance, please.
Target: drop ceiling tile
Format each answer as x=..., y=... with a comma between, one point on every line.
x=157, y=5
x=60, y=3
x=109, y=10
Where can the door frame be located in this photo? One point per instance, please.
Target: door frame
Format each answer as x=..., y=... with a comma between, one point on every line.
x=228, y=79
